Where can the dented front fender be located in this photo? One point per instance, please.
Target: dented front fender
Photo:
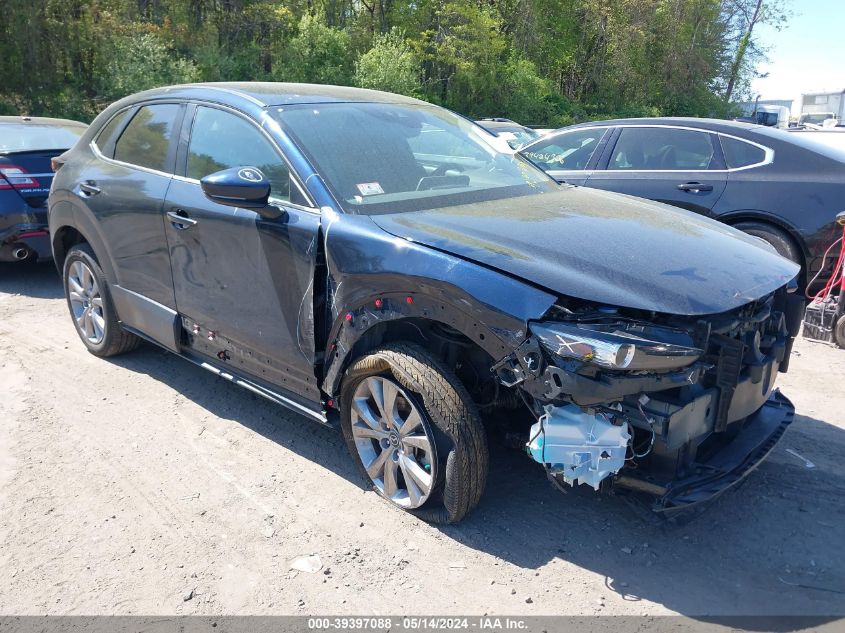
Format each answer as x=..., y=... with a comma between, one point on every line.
x=393, y=278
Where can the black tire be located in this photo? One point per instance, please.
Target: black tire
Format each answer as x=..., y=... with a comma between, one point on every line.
x=780, y=239
x=452, y=416
x=839, y=331
x=115, y=339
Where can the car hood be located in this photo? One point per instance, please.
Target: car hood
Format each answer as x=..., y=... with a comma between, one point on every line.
x=607, y=248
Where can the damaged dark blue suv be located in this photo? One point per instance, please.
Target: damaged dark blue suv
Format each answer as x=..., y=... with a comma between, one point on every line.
x=374, y=261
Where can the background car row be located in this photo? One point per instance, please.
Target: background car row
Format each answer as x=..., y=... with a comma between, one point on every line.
x=783, y=187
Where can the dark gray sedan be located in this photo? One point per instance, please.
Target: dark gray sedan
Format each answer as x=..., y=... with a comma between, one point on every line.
x=782, y=187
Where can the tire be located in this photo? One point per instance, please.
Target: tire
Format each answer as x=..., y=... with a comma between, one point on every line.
x=87, y=293
x=839, y=331
x=458, y=458
x=783, y=243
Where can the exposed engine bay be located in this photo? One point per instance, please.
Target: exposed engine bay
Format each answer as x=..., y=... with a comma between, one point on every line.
x=678, y=408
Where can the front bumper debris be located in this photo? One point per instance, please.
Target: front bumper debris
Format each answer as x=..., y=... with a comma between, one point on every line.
x=577, y=446
x=724, y=466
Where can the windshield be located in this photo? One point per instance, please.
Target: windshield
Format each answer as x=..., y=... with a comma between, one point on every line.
x=24, y=137
x=387, y=158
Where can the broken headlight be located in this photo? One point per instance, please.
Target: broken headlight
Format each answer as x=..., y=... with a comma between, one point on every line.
x=628, y=346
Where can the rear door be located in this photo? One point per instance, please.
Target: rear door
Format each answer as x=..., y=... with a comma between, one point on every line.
x=243, y=283
x=568, y=156
x=125, y=187
x=679, y=166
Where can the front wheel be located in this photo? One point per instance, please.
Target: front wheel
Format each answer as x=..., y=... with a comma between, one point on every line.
x=415, y=433
x=91, y=307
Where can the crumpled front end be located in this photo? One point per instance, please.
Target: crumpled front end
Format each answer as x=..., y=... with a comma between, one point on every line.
x=679, y=408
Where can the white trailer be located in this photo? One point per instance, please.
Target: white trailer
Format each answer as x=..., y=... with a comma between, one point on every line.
x=817, y=107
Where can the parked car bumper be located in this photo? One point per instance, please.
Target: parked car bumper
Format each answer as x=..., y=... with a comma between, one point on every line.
x=24, y=235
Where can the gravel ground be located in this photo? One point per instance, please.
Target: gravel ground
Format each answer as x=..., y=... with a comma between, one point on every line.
x=145, y=485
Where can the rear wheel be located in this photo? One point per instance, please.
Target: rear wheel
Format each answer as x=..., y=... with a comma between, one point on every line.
x=91, y=307
x=780, y=239
x=414, y=432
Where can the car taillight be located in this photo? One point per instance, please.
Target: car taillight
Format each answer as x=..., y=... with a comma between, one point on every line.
x=17, y=177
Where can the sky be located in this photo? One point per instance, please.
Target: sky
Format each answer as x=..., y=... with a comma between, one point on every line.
x=808, y=55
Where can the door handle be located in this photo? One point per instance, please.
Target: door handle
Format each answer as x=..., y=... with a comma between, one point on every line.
x=89, y=188
x=180, y=220
x=694, y=187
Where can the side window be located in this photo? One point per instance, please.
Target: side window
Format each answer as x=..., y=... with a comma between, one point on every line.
x=221, y=140
x=569, y=150
x=105, y=139
x=741, y=154
x=146, y=140
x=660, y=149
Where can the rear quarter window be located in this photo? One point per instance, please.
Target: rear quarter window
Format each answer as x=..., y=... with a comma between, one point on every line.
x=146, y=140
x=105, y=139
x=741, y=154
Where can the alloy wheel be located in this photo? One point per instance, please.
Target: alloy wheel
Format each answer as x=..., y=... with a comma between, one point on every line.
x=86, y=302
x=394, y=442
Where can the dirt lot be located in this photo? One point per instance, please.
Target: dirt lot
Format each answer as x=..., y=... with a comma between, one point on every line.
x=125, y=485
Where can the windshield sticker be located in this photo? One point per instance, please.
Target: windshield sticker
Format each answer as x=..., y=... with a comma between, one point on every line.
x=369, y=188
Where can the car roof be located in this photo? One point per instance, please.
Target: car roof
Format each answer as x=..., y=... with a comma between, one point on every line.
x=718, y=125
x=763, y=134
x=268, y=94
x=40, y=120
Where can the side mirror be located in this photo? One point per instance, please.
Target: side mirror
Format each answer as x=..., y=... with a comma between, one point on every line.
x=244, y=187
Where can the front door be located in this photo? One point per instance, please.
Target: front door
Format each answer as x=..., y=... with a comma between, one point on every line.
x=681, y=167
x=243, y=282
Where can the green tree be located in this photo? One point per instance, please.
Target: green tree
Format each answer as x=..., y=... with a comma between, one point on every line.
x=741, y=17
x=522, y=94
x=539, y=61
x=317, y=54
x=389, y=65
x=142, y=61
x=461, y=45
